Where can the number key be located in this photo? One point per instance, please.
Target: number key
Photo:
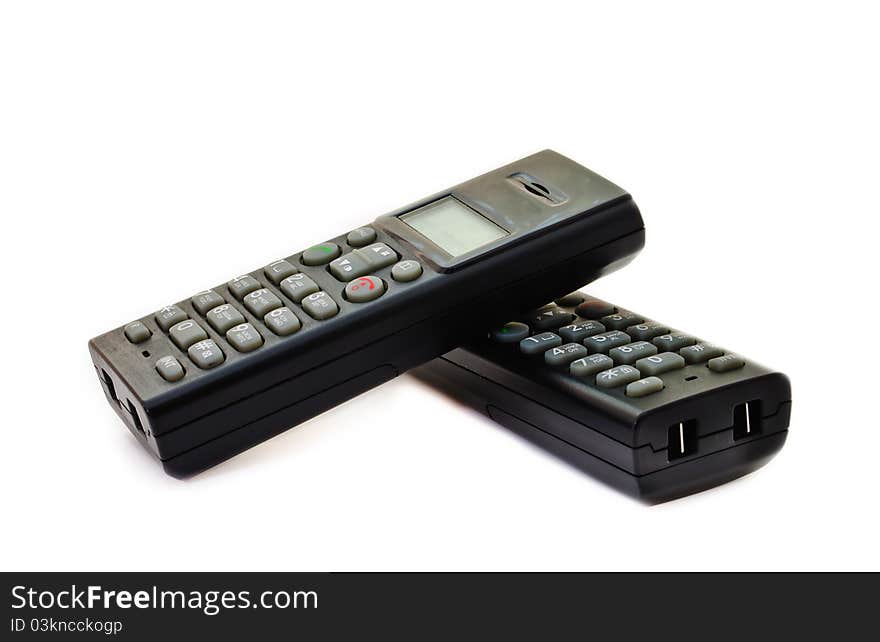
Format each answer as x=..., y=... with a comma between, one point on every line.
x=298, y=287
x=629, y=354
x=563, y=355
x=673, y=342
x=604, y=342
x=261, y=302
x=320, y=306
x=539, y=343
x=224, y=317
x=646, y=331
x=580, y=331
x=621, y=320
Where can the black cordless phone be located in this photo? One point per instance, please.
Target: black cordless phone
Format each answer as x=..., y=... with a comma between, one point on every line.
x=215, y=373
x=653, y=411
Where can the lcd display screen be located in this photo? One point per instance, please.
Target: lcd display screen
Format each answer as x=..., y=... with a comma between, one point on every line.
x=453, y=226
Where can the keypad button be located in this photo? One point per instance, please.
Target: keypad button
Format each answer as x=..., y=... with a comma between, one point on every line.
x=244, y=337
x=512, y=332
x=565, y=354
x=320, y=306
x=378, y=255
x=242, y=285
x=660, y=363
x=539, y=343
x=725, y=363
x=298, y=286
x=137, y=332
x=361, y=236
x=571, y=300
x=169, y=315
x=621, y=320
x=349, y=266
x=595, y=309
x=588, y=366
x=700, y=352
x=627, y=355
x=170, y=369
x=619, y=376
x=673, y=342
x=224, y=317
x=261, y=302
x=549, y=318
x=604, y=342
x=321, y=254
x=643, y=387
x=580, y=331
x=186, y=333
x=204, y=301
x=406, y=271
x=366, y=288
x=278, y=270
x=206, y=354
x=646, y=331
x=282, y=322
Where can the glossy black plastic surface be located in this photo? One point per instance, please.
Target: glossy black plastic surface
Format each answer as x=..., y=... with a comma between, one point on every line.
x=211, y=415
x=623, y=440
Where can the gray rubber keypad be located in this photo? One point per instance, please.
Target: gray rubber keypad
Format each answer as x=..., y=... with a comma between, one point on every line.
x=361, y=236
x=673, y=342
x=365, y=288
x=627, y=355
x=241, y=285
x=186, y=333
x=244, y=337
x=594, y=309
x=224, y=317
x=550, y=318
x=378, y=255
x=169, y=315
x=204, y=301
x=564, y=354
x=349, y=266
x=321, y=254
x=540, y=343
x=170, y=369
x=605, y=341
x=320, y=306
x=255, y=294
x=406, y=271
x=206, y=354
x=282, y=321
x=588, y=366
x=137, y=332
x=619, y=376
x=660, y=363
x=646, y=331
x=572, y=300
x=298, y=287
x=615, y=349
x=512, y=332
x=700, y=352
x=279, y=270
x=621, y=320
x=580, y=331
x=261, y=302
x=725, y=363
x=643, y=387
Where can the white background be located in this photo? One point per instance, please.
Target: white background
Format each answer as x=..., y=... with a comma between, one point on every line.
x=149, y=150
